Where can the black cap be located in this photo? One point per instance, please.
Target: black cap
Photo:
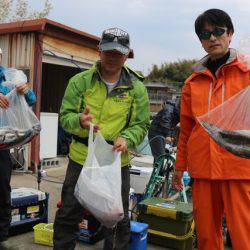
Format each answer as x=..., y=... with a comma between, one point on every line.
x=115, y=39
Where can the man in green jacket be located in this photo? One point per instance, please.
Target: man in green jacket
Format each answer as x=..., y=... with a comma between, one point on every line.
x=111, y=96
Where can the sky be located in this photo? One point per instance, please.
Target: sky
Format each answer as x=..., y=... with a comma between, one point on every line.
x=160, y=30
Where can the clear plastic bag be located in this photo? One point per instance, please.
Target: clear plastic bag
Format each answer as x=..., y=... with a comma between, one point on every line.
x=244, y=51
x=98, y=188
x=14, y=78
x=18, y=123
x=229, y=124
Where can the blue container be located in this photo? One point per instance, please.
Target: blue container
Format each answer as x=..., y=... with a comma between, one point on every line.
x=139, y=233
x=186, y=178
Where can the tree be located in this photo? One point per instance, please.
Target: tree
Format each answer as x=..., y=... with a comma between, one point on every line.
x=174, y=72
x=16, y=10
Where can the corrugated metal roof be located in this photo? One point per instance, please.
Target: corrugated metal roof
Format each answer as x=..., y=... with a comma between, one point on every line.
x=41, y=25
x=53, y=29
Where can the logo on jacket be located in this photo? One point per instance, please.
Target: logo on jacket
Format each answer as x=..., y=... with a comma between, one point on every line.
x=122, y=96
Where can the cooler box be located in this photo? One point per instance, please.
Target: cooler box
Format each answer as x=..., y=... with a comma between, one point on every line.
x=139, y=178
x=29, y=207
x=170, y=222
x=138, y=237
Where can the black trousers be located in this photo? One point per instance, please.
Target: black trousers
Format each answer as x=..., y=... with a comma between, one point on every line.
x=5, y=189
x=71, y=212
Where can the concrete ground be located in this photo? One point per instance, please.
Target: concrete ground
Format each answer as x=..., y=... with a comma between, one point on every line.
x=26, y=241
x=56, y=175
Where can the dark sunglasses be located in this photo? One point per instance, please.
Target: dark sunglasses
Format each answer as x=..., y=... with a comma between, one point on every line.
x=217, y=32
x=123, y=40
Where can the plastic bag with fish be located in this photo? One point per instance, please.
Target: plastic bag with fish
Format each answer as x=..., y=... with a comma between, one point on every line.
x=229, y=124
x=18, y=123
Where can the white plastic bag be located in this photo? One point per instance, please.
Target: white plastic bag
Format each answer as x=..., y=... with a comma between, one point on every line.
x=98, y=188
x=18, y=123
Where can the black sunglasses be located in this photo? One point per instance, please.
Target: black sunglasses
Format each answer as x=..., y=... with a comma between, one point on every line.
x=123, y=40
x=217, y=32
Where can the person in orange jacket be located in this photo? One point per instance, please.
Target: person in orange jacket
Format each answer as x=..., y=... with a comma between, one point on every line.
x=221, y=179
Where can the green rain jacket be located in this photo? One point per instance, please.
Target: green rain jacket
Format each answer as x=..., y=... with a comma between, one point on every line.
x=124, y=112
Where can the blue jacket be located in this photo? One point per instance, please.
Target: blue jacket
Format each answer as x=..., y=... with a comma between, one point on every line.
x=29, y=96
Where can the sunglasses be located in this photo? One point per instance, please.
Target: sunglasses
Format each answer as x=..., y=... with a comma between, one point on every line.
x=217, y=32
x=123, y=40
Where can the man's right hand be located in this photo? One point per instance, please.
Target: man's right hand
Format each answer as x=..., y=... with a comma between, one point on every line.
x=4, y=103
x=177, y=180
x=86, y=118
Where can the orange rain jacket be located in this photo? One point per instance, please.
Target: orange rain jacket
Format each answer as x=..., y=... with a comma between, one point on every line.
x=197, y=152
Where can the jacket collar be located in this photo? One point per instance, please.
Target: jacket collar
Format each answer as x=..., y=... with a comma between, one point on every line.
x=234, y=59
x=200, y=66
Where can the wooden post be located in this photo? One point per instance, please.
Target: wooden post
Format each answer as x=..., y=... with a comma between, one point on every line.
x=37, y=86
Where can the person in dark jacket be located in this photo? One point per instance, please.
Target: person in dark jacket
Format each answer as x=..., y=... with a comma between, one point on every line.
x=6, y=164
x=163, y=126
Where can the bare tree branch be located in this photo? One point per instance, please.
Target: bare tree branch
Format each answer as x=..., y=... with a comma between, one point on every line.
x=16, y=10
x=5, y=9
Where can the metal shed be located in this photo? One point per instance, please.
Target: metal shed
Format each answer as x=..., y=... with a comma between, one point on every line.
x=49, y=53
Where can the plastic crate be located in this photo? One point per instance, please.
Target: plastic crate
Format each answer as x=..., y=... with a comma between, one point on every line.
x=43, y=234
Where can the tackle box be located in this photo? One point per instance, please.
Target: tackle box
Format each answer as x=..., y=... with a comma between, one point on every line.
x=28, y=207
x=170, y=222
